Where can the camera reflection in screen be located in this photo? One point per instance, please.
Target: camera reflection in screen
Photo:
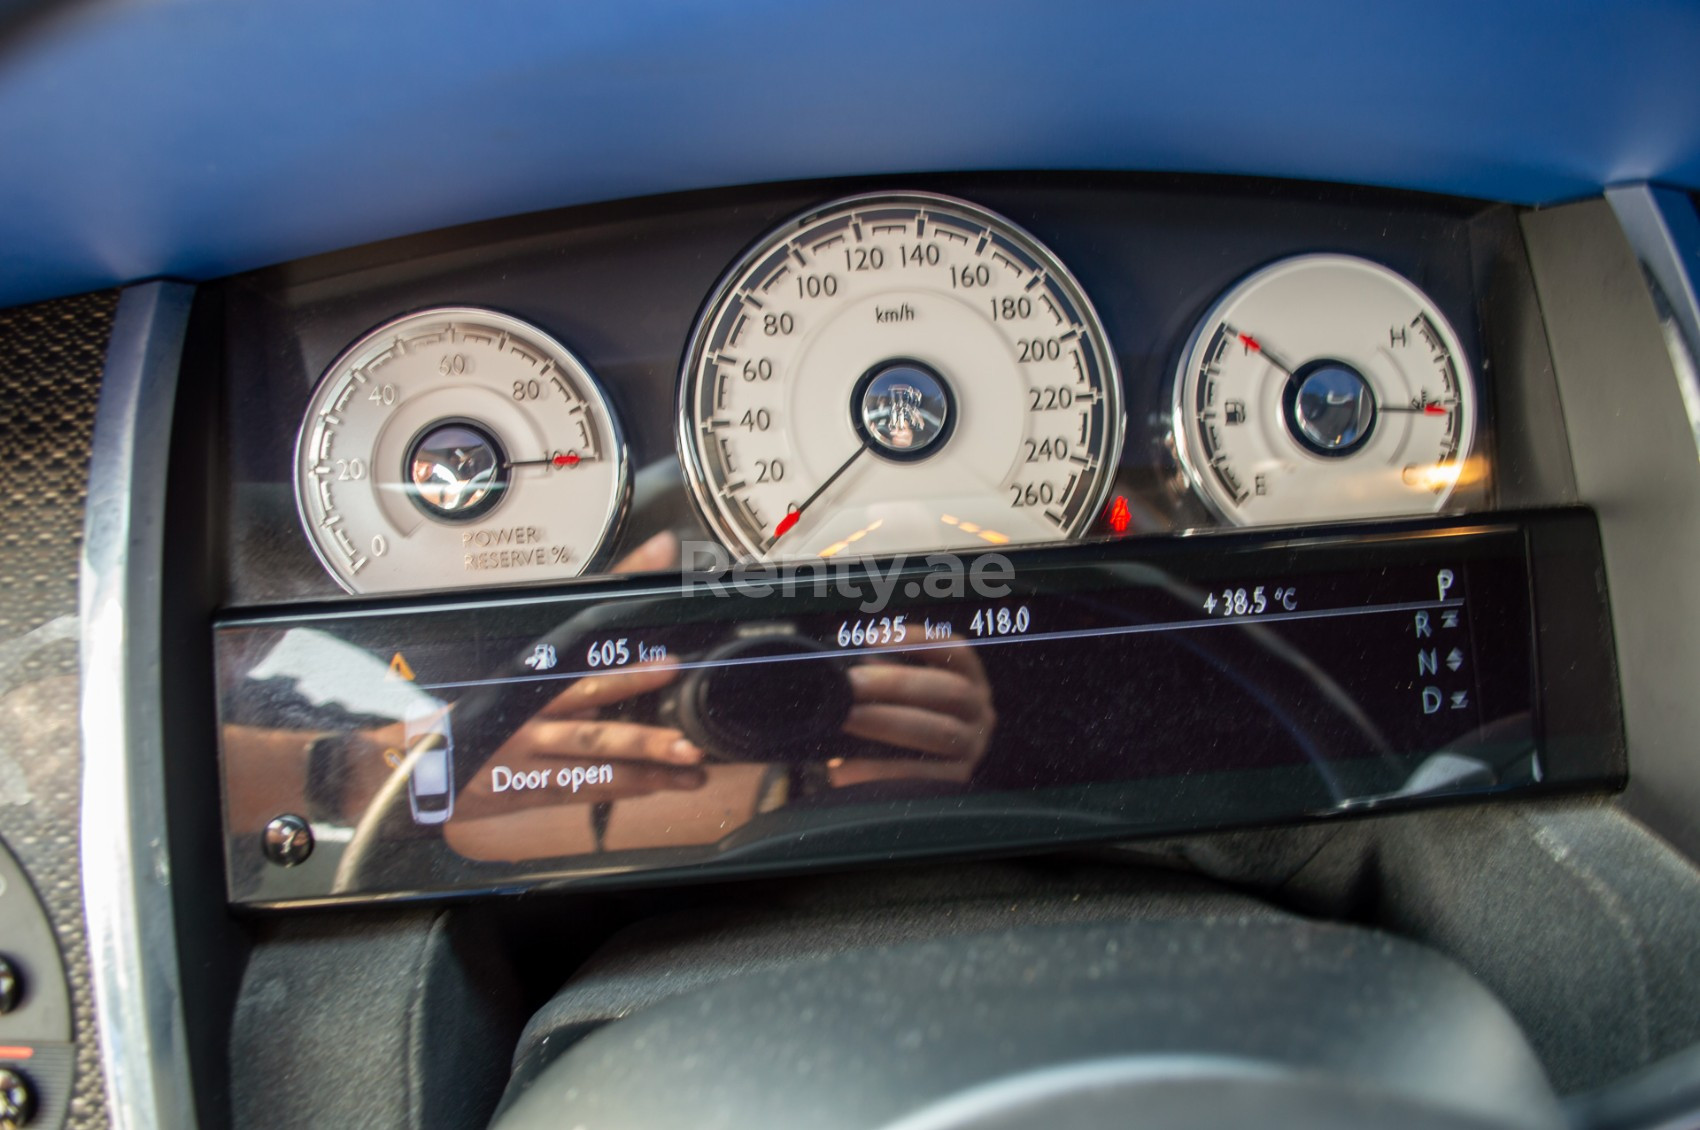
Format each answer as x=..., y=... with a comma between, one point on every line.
x=721, y=745
x=648, y=756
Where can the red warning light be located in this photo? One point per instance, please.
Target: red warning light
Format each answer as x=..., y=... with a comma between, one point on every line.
x=1118, y=515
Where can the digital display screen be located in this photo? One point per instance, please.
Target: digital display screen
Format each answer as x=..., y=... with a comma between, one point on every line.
x=723, y=725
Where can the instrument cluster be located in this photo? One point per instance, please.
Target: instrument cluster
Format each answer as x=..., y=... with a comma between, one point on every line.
x=885, y=373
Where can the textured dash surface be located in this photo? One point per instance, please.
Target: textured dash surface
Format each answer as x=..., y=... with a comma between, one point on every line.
x=51, y=357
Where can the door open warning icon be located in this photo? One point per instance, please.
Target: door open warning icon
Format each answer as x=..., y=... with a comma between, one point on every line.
x=399, y=668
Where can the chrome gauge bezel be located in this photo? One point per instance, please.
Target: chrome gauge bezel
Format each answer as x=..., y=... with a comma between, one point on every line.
x=1194, y=468
x=732, y=534
x=584, y=384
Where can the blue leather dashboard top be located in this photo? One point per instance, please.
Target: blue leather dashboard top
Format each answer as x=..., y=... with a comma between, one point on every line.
x=193, y=138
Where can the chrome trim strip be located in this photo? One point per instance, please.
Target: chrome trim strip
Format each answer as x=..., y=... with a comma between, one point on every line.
x=1663, y=227
x=126, y=874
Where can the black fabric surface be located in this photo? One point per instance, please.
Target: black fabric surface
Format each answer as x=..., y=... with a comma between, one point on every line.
x=373, y=1020
x=877, y=1034
x=1583, y=922
x=1577, y=917
x=764, y=927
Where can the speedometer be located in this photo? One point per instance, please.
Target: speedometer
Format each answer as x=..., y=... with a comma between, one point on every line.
x=897, y=373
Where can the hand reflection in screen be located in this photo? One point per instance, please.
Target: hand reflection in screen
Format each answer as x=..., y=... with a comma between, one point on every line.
x=926, y=717
x=584, y=774
x=940, y=706
x=619, y=759
x=571, y=731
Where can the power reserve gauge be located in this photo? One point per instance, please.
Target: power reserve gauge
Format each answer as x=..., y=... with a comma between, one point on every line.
x=1324, y=387
x=457, y=448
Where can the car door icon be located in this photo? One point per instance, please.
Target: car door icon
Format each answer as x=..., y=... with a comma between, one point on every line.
x=430, y=754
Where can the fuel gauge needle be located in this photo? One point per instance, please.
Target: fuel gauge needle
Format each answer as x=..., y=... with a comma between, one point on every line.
x=1255, y=346
x=1252, y=345
x=791, y=519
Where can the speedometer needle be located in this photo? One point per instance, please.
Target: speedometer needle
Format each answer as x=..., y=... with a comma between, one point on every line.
x=792, y=518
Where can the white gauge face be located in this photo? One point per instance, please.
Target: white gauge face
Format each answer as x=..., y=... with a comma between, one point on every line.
x=457, y=448
x=1324, y=387
x=899, y=373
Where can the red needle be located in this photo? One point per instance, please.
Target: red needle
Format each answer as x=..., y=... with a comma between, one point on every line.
x=792, y=517
x=569, y=459
x=1254, y=346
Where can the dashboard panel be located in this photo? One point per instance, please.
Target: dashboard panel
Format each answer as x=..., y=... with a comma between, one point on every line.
x=1140, y=613
x=1172, y=666
x=1174, y=385
x=1260, y=534
x=1110, y=433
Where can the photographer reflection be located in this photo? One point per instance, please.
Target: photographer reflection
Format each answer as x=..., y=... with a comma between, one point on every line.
x=310, y=682
x=550, y=789
x=675, y=758
x=680, y=751
x=813, y=729
x=571, y=755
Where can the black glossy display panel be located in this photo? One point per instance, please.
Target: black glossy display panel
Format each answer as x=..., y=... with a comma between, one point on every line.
x=775, y=721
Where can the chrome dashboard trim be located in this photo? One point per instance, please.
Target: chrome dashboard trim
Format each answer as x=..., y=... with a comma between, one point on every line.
x=126, y=870
x=1663, y=227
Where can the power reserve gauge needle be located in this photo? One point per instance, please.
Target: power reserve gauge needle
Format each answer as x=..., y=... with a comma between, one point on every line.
x=793, y=517
x=566, y=459
x=1252, y=345
x=1429, y=409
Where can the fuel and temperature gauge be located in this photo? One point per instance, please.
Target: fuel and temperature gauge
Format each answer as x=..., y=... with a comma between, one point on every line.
x=1324, y=387
x=455, y=448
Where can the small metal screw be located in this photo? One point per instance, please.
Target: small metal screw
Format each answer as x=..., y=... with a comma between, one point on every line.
x=288, y=840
